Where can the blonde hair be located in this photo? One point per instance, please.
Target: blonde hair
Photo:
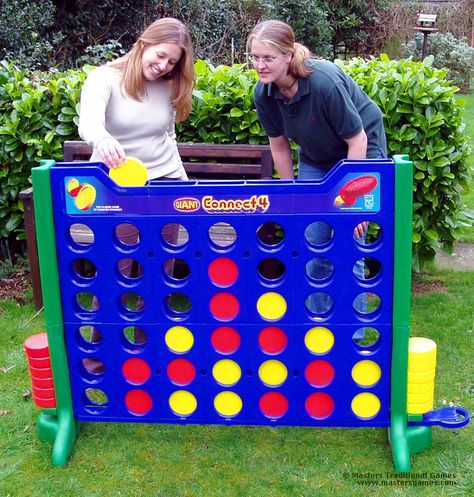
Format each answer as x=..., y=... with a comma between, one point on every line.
x=281, y=36
x=182, y=77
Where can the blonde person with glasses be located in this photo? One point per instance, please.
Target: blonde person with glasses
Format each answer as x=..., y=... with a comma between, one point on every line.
x=316, y=104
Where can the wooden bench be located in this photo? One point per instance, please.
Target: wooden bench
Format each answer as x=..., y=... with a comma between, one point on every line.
x=201, y=160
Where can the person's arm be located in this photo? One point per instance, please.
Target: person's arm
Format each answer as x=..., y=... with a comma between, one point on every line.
x=357, y=146
x=95, y=95
x=282, y=156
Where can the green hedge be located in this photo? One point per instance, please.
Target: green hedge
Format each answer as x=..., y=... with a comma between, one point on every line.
x=39, y=111
x=422, y=119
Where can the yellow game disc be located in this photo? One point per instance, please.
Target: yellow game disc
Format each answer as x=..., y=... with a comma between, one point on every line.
x=131, y=173
x=365, y=405
x=366, y=373
x=271, y=306
x=424, y=347
x=226, y=372
x=422, y=388
x=421, y=398
x=273, y=373
x=419, y=408
x=421, y=377
x=179, y=339
x=85, y=197
x=182, y=402
x=228, y=404
x=319, y=340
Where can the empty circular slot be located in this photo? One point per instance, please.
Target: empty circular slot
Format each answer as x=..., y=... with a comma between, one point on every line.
x=132, y=302
x=95, y=400
x=271, y=269
x=89, y=337
x=367, y=303
x=174, y=235
x=372, y=230
x=177, y=304
x=130, y=268
x=366, y=339
x=127, y=234
x=87, y=301
x=134, y=339
x=93, y=368
x=176, y=270
x=366, y=268
x=319, y=304
x=319, y=269
x=319, y=234
x=84, y=268
x=270, y=234
x=81, y=234
x=222, y=235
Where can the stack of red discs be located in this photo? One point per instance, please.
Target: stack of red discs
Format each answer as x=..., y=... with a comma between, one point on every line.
x=39, y=362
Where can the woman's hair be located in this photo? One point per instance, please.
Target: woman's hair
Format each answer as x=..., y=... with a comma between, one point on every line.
x=183, y=76
x=282, y=37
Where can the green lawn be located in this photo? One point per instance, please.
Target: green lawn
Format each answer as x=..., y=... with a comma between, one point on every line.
x=180, y=461
x=467, y=234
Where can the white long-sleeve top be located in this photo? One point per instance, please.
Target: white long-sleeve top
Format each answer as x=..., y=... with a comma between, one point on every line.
x=145, y=128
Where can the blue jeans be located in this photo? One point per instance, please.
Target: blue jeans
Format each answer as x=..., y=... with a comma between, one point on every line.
x=319, y=233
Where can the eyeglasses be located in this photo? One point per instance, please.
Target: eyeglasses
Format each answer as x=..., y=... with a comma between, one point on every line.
x=267, y=59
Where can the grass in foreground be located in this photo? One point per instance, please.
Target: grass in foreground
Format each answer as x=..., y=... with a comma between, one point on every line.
x=194, y=461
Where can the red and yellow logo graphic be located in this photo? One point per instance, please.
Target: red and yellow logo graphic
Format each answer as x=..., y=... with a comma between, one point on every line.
x=84, y=195
x=355, y=188
x=186, y=204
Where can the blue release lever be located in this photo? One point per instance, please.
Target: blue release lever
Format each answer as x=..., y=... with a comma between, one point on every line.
x=447, y=417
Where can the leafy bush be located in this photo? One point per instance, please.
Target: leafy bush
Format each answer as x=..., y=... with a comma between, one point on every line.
x=25, y=32
x=423, y=120
x=223, y=109
x=38, y=111
x=447, y=51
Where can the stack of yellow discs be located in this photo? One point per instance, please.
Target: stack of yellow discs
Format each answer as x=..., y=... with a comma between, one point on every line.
x=421, y=375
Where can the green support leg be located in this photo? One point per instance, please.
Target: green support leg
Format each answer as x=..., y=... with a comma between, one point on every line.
x=404, y=440
x=57, y=425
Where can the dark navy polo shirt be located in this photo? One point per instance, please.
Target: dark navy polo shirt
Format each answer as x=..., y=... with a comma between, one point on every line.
x=327, y=108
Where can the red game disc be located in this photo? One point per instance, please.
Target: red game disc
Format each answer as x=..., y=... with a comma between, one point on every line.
x=319, y=405
x=224, y=306
x=136, y=371
x=272, y=340
x=274, y=404
x=319, y=373
x=138, y=402
x=223, y=272
x=225, y=340
x=181, y=372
